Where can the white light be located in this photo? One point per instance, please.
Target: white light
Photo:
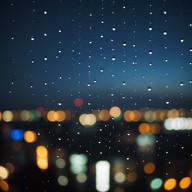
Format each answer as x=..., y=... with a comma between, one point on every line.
x=178, y=124
x=102, y=176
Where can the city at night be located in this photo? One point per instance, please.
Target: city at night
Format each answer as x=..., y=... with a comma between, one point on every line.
x=96, y=95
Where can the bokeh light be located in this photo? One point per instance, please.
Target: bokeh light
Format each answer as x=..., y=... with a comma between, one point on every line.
x=7, y=116
x=185, y=182
x=62, y=180
x=132, y=176
x=42, y=157
x=30, y=136
x=104, y=115
x=119, y=177
x=4, y=185
x=132, y=115
x=78, y=163
x=17, y=134
x=60, y=163
x=149, y=168
x=54, y=116
x=115, y=112
x=4, y=173
x=170, y=184
x=78, y=102
x=81, y=177
x=156, y=184
x=102, y=176
x=87, y=119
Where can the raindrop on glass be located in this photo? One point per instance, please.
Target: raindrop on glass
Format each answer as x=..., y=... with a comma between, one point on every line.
x=167, y=102
x=45, y=12
x=149, y=88
x=124, y=43
x=88, y=84
x=113, y=28
x=32, y=38
x=150, y=28
x=124, y=83
x=113, y=58
x=95, y=81
x=190, y=49
x=182, y=40
x=190, y=81
x=59, y=103
x=181, y=84
x=150, y=52
x=165, y=33
x=101, y=70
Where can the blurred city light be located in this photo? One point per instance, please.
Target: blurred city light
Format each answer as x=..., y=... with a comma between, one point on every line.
x=104, y=115
x=185, y=182
x=145, y=142
x=170, y=184
x=42, y=157
x=60, y=163
x=4, y=173
x=78, y=163
x=62, y=180
x=149, y=168
x=178, y=124
x=30, y=136
x=81, y=177
x=132, y=116
x=17, y=134
x=56, y=116
x=7, y=116
x=4, y=185
x=156, y=184
x=78, y=102
x=119, y=177
x=87, y=119
x=115, y=112
x=102, y=176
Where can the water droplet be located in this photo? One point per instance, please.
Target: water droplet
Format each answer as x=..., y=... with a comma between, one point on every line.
x=165, y=12
x=165, y=33
x=150, y=52
x=149, y=88
x=101, y=70
x=124, y=83
x=167, y=102
x=59, y=103
x=181, y=84
x=182, y=40
x=45, y=12
x=113, y=28
x=95, y=81
x=124, y=43
x=190, y=81
x=88, y=84
x=113, y=58
x=45, y=58
x=150, y=28
x=190, y=49
x=32, y=38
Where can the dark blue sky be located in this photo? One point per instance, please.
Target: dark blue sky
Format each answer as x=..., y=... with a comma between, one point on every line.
x=106, y=52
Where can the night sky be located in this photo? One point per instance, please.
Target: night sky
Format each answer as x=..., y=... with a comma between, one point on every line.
x=130, y=53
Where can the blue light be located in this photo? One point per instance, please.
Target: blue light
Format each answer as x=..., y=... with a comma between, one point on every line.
x=17, y=134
